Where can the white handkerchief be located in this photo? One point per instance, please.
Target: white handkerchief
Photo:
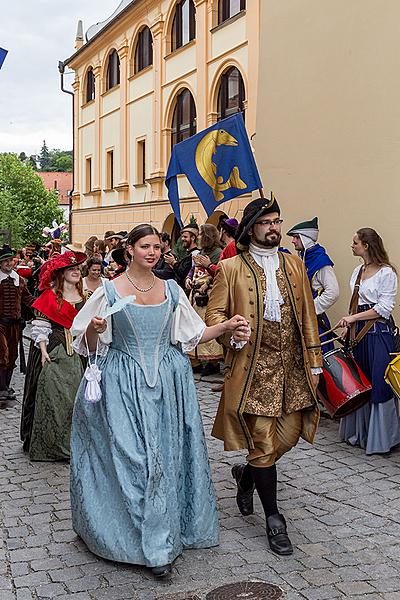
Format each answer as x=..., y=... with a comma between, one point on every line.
x=118, y=305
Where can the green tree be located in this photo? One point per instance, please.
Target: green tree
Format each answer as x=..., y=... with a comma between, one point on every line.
x=61, y=163
x=22, y=157
x=44, y=157
x=25, y=204
x=32, y=162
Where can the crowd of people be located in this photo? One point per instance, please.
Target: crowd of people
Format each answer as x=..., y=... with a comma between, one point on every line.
x=116, y=334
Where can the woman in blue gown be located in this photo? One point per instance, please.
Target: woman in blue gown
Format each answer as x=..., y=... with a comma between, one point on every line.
x=141, y=488
x=376, y=425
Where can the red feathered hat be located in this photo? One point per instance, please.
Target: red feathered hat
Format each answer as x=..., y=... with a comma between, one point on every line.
x=60, y=261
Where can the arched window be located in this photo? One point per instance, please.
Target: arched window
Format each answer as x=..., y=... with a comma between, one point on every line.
x=90, y=89
x=184, y=24
x=184, y=118
x=144, y=50
x=229, y=8
x=231, y=93
x=113, y=76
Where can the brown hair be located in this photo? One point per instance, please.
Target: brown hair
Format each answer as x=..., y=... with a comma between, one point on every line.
x=59, y=284
x=376, y=249
x=93, y=261
x=101, y=245
x=140, y=231
x=209, y=237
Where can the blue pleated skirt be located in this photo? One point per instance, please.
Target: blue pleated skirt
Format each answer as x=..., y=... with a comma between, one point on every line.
x=376, y=425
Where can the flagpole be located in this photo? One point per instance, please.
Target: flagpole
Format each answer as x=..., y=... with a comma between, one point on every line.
x=261, y=190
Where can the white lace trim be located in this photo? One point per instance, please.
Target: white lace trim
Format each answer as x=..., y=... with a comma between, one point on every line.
x=191, y=344
x=40, y=331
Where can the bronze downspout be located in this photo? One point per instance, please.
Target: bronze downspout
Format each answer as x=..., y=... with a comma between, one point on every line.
x=61, y=69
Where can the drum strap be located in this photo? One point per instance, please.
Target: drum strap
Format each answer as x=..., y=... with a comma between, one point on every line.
x=354, y=339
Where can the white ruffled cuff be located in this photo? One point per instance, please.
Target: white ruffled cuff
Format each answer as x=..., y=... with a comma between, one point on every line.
x=40, y=331
x=316, y=371
x=382, y=311
x=237, y=345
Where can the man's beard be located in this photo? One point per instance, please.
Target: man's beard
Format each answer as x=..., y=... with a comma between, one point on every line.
x=267, y=242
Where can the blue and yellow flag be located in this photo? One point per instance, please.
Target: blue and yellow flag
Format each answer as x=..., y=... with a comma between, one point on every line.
x=218, y=162
x=3, y=54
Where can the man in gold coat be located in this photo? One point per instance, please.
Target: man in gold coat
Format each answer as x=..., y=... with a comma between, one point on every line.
x=272, y=371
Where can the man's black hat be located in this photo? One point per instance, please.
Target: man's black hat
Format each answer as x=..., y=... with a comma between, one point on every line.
x=6, y=252
x=256, y=209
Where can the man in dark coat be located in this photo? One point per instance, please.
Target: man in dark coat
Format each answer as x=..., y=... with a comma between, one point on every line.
x=14, y=295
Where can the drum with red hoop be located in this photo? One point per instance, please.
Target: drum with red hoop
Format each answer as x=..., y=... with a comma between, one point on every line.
x=24, y=271
x=343, y=387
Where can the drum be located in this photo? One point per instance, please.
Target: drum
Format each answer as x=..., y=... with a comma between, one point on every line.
x=24, y=271
x=392, y=375
x=343, y=387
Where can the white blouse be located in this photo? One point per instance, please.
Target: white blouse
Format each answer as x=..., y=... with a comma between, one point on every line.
x=187, y=327
x=379, y=290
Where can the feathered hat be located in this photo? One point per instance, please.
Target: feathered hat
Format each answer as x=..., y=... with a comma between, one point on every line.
x=61, y=261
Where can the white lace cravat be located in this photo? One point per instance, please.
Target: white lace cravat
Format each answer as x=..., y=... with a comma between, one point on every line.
x=268, y=260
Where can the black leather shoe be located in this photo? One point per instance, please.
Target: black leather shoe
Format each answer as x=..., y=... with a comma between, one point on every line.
x=278, y=538
x=162, y=572
x=244, y=498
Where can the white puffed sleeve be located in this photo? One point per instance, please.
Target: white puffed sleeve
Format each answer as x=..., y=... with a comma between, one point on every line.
x=387, y=290
x=96, y=306
x=327, y=284
x=187, y=327
x=40, y=332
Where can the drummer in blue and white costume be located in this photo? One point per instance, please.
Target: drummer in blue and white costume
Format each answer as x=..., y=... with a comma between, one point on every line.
x=141, y=489
x=376, y=425
x=319, y=266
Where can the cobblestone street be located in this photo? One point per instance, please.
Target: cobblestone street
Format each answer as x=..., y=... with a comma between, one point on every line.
x=342, y=508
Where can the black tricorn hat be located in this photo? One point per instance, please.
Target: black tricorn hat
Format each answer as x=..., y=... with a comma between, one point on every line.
x=6, y=252
x=257, y=208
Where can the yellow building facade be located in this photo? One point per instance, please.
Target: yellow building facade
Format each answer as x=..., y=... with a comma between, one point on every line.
x=154, y=73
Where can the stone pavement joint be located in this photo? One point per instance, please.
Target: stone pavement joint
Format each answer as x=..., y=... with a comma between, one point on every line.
x=342, y=509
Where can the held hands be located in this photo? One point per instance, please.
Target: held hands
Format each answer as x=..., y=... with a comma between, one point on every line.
x=99, y=324
x=240, y=328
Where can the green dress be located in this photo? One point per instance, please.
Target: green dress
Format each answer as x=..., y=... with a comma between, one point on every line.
x=49, y=396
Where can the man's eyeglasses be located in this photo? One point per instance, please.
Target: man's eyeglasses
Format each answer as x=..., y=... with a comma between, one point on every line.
x=268, y=223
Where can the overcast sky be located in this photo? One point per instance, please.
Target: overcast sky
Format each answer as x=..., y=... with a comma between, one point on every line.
x=37, y=34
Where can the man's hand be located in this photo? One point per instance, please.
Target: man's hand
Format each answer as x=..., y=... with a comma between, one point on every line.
x=242, y=333
x=99, y=324
x=170, y=259
x=202, y=261
x=239, y=327
x=315, y=380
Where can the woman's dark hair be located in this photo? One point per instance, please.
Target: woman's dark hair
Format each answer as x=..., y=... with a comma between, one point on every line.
x=209, y=237
x=140, y=231
x=376, y=249
x=93, y=261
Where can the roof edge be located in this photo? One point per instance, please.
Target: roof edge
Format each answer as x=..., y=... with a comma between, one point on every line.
x=108, y=25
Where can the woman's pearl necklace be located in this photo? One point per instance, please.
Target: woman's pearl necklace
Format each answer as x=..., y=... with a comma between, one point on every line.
x=137, y=287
